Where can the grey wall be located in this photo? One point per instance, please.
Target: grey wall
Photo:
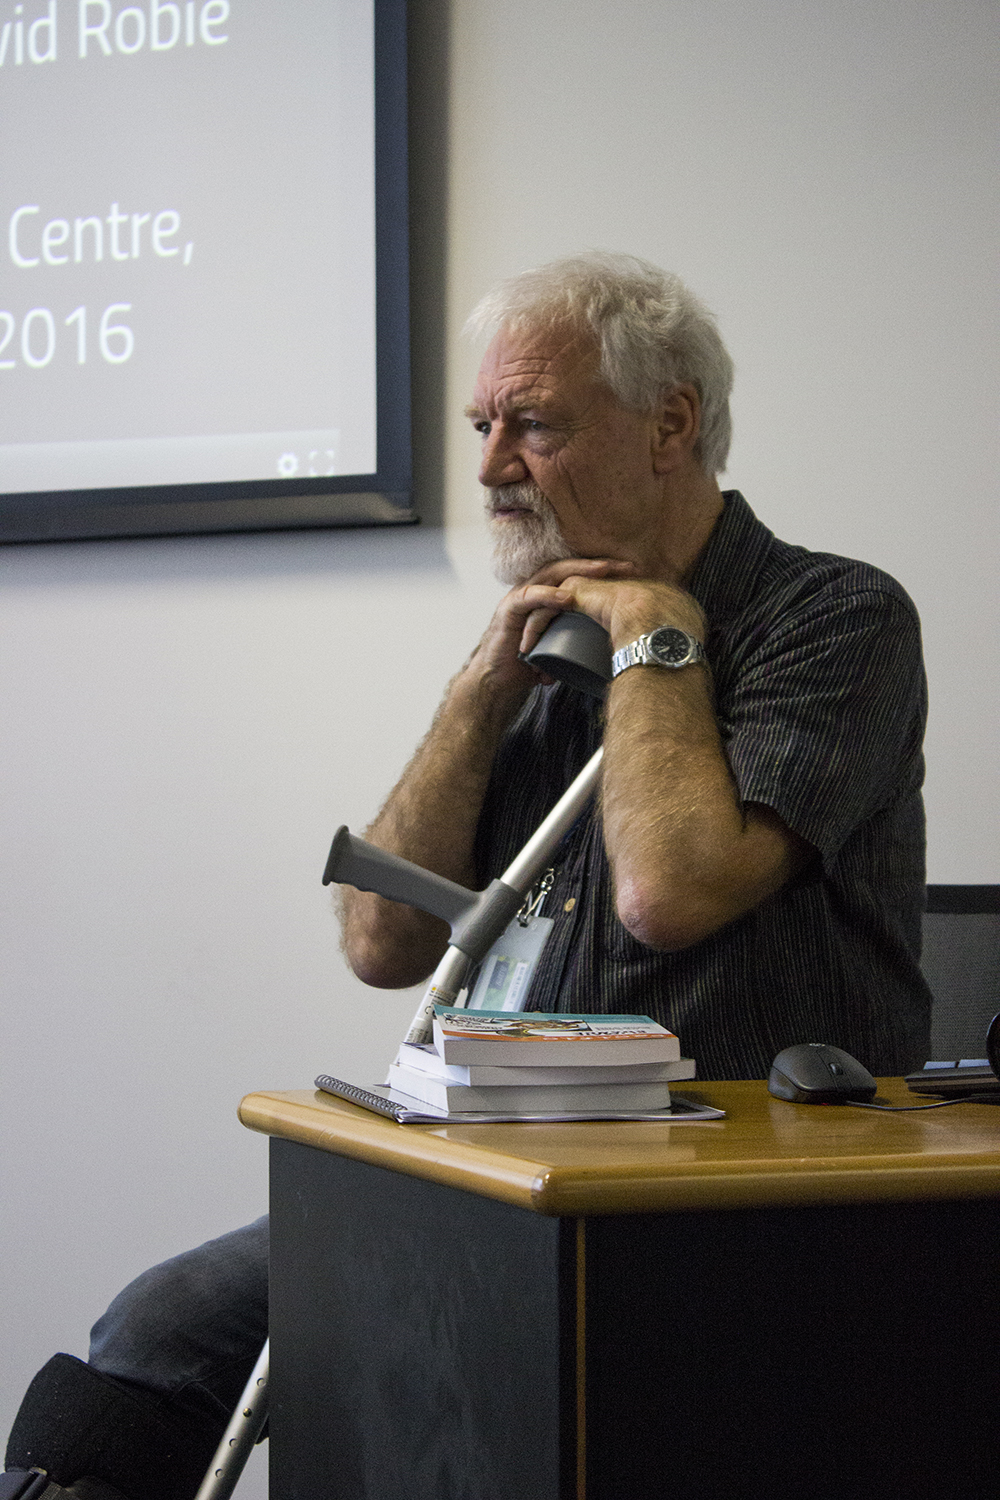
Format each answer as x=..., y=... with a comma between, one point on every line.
x=184, y=722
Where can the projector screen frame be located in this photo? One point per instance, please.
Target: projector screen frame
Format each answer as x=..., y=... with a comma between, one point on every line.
x=382, y=498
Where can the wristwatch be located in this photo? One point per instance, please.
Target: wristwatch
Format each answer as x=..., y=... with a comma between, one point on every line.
x=664, y=647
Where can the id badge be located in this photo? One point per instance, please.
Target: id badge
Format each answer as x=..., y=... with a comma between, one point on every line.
x=506, y=972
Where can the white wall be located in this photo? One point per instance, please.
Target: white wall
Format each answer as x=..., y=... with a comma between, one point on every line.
x=185, y=721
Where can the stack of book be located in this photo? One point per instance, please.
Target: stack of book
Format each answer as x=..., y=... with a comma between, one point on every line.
x=533, y=1064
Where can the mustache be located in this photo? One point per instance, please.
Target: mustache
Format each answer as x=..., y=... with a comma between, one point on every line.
x=523, y=495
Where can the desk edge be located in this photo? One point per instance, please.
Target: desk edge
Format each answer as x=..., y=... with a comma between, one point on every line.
x=560, y=1191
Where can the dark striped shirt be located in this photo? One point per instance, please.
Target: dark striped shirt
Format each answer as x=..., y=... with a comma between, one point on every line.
x=821, y=703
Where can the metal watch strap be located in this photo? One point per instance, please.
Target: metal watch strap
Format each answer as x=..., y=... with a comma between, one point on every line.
x=638, y=653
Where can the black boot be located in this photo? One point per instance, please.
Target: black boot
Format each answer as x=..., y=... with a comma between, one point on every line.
x=35, y=1484
x=106, y=1440
x=24, y=1484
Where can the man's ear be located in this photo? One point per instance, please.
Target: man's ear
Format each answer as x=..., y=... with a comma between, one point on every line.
x=675, y=432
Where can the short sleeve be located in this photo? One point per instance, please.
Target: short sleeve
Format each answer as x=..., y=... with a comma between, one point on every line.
x=824, y=720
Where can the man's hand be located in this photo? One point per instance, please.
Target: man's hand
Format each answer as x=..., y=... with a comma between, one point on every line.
x=524, y=614
x=626, y=607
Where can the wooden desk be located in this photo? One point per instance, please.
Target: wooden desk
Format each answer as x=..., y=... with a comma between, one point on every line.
x=795, y=1301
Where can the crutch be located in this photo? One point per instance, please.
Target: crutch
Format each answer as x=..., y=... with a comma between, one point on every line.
x=575, y=650
x=245, y=1427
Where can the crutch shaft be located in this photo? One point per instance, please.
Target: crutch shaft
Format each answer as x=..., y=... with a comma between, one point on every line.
x=244, y=1429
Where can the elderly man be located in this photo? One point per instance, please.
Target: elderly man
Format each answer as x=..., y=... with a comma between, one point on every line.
x=753, y=875
x=753, y=872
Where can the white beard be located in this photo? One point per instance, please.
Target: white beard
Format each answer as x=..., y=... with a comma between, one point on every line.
x=522, y=546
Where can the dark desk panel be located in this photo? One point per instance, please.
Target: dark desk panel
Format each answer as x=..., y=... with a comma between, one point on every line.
x=441, y=1342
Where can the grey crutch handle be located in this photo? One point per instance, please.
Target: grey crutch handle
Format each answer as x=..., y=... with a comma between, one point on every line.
x=353, y=861
x=476, y=918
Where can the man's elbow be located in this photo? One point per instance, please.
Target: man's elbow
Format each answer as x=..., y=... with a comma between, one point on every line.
x=669, y=921
x=390, y=960
x=381, y=968
x=375, y=969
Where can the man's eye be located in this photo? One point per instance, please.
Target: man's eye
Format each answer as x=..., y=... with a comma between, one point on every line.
x=482, y=427
x=534, y=426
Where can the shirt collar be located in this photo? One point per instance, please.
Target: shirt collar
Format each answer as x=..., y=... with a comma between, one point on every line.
x=726, y=574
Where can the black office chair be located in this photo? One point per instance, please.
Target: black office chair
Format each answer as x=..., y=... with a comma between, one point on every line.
x=961, y=963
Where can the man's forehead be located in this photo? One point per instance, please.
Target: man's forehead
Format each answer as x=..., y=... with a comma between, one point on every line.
x=522, y=368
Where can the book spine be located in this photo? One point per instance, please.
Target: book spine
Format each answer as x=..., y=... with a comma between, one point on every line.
x=477, y=1051
x=529, y=1099
x=426, y=1060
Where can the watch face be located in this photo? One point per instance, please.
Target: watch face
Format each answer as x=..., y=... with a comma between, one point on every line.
x=669, y=644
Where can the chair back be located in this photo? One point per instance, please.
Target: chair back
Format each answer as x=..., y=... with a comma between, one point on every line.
x=961, y=963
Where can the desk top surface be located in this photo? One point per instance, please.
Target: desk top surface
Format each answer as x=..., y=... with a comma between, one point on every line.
x=765, y=1152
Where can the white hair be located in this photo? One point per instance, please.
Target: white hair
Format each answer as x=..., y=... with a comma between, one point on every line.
x=526, y=541
x=653, y=334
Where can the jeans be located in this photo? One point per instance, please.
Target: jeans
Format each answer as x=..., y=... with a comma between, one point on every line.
x=191, y=1329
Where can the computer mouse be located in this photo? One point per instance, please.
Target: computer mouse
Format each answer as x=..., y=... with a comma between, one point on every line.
x=818, y=1073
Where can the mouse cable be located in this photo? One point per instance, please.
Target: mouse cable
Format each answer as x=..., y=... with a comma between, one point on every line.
x=895, y=1109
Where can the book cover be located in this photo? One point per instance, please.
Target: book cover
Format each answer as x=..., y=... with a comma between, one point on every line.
x=553, y=1096
x=424, y=1059
x=539, y=1039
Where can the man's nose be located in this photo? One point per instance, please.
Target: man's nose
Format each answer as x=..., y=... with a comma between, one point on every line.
x=500, y=463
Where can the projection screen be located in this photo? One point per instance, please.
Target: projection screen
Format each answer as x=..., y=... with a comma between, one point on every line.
x=203, y=299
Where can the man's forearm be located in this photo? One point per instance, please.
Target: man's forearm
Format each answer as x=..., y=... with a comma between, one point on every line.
x=430, y=818
x=687, y=857
x=432, y=814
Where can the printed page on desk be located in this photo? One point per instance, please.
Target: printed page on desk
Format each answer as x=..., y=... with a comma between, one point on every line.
x=188, y=242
